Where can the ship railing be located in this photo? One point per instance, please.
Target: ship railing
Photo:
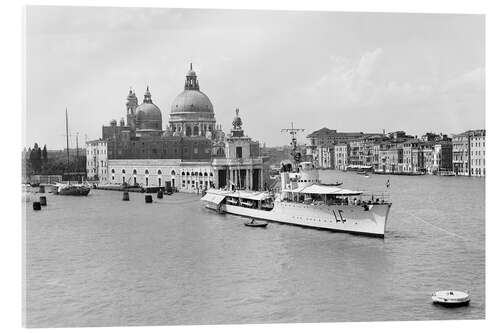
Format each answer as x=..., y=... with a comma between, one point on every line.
x=375, y=197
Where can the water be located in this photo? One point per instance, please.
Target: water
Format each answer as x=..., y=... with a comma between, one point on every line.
x=100, y=261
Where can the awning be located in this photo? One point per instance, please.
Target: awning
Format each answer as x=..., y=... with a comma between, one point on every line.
x=214, y=198
x=259, y=196
x=323, y=189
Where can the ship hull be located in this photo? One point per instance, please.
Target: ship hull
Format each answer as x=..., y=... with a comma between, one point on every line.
x=370, y=220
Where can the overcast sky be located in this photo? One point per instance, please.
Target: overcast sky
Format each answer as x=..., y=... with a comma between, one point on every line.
x=345, y=71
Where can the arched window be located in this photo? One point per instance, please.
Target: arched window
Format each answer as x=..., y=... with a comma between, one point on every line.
x=159, y=171
x=205, y=174
x=187, y=173
x=173, y=173
x=146, y=172
x=112, y=170
x=123, y=170
x=188, y=131
x=183, y=173
x=211, y=174
x=134, y=172
x=196, y=131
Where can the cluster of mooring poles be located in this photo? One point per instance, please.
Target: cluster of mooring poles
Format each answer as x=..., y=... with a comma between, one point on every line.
x=42, y=201
x=148, y=198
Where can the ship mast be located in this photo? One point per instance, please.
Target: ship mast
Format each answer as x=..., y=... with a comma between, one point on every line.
x=67, y=138
x=293, y=132
x=77, y=151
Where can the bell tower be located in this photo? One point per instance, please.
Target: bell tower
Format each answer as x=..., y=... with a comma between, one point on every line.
x=131, y=105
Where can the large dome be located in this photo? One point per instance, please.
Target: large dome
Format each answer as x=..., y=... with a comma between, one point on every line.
x=148, y=114
x=193, y=101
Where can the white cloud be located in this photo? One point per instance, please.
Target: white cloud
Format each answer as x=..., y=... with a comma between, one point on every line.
x=469, y=82
x=351, y=84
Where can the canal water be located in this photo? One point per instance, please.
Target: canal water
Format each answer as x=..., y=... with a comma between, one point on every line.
x=100, y=261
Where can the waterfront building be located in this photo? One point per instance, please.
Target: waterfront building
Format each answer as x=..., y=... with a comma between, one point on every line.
x=396, y=158
x=328, y=137
x=356, y=151
x=371, y=149
x=478, y=153
x=469, y=150
x=391, y=158
x=411, y=156
x=321, y=145
x=97, y=160
x=325, y=157
x=242, y=166
x=341, y=156
x=381, y=155
x=443, y=156
x=427, y=148
x=362, y=150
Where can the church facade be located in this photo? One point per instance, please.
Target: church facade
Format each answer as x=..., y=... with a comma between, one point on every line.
x=192, y=152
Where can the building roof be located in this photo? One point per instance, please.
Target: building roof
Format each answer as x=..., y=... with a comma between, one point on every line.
x=328, y=132
x=477, y=132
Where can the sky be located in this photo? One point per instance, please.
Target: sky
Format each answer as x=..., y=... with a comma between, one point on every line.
x=347, y=71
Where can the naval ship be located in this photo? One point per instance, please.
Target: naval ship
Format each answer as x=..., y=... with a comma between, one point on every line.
x=304, y=201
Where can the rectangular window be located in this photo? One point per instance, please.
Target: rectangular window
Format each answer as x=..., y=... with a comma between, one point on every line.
x=239, y=152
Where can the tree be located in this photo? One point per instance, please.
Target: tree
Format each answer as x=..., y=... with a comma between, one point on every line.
x=44, y=154
x=36, y=158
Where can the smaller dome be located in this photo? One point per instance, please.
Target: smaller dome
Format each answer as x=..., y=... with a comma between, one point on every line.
x=148, y=114
x=148, y=111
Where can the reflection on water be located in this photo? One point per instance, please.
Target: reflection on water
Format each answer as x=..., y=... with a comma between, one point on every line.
x=100, y=261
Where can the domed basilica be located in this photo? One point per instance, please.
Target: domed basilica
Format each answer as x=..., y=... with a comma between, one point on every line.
x=190, y=154
x=192, y=114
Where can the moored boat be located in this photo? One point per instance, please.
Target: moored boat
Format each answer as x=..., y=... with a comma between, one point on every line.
x=73, y=189
x=254, y=224
x=451, y=298
x=447, y=173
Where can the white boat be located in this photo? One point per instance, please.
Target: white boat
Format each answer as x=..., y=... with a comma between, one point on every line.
x=451, y=298
x=447, y=173
x=72, y=189
x=304, y=201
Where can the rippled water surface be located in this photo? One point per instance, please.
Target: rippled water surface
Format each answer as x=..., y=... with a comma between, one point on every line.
x=100, y=261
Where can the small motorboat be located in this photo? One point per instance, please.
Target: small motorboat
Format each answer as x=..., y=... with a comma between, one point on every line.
x=451, y=298
x=256, y=224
